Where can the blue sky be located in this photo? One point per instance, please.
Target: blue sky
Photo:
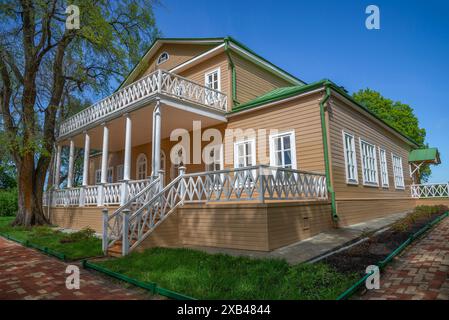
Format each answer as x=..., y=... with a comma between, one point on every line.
x=406, y=60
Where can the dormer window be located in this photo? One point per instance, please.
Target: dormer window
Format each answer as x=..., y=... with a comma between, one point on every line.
x=162, y=58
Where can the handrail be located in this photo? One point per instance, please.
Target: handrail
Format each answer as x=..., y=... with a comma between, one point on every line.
x=250, y=183
x=159, y=81
x=430, y=190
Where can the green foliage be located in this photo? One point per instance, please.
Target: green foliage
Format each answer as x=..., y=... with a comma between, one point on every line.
x=219, y=276
x=83, y=243
x=398, y=115
x=8, y=202
x=84, y=234
x=420, y=213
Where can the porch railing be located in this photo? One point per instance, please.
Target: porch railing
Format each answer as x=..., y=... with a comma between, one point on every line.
x=258, y=183
x=158, y=82
x=430, y=190
x=89, y=195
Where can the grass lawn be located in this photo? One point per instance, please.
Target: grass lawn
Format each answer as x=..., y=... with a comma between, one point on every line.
x=218, y=276
x=75, y=246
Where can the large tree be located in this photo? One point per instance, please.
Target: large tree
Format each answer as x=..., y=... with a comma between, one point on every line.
x=398, y=115
x=46, y=64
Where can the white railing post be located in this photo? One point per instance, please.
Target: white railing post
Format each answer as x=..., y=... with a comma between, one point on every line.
x=261, y=185
x=161, y=175
x=124, y=192
x=125, y=232
x=159, y=81
x=105, y=230
x=82, y=200
x=100, y=196
x=182, y=172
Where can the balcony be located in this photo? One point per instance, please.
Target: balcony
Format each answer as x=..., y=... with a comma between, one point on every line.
x=157, y=84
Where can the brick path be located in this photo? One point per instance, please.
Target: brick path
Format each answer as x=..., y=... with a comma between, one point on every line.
x=28, y=274
x=421, y=272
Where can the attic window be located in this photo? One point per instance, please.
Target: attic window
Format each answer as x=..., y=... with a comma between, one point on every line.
x=162, y=58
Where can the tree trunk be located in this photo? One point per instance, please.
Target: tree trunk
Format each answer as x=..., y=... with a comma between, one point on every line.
x=30, y=195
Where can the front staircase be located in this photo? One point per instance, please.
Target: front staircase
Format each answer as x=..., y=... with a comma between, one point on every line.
x=134, y=221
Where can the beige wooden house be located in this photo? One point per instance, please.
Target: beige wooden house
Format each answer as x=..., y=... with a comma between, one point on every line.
x=206, y=143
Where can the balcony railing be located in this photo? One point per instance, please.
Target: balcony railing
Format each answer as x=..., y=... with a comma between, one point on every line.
x=158, y=82
x=430, y=190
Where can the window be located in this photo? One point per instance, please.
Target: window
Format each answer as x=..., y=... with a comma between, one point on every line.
x=350, y=158
x=383, y=167
x=141, y=167
x=369, y=163
x=398, y=172
x=162, y=160
x=110, y=177
x=212, y=79
x=120, y=171
x=215, y=158
x=245, y=153
x=162, y=58
x=282, y=150
x=97, y=176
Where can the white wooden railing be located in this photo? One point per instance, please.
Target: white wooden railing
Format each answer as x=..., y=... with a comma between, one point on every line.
x=158, y=82
x=89, y=195
x=113, y=224
x=430, y=190
x=259, y=183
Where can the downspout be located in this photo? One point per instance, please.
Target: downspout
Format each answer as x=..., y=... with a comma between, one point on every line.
x=330, y=188
x=233, y=73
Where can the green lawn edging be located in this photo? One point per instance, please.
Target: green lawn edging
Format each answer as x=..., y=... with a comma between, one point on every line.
x=381, y=264
x=28, y=244
x=150, y=286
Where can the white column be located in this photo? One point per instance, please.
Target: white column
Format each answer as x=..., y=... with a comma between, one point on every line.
x=104, y=155
x=104, y=166
x=86, y=159
x=57, y=172
x=71, y=160
x=156, y=155
x=127, y=159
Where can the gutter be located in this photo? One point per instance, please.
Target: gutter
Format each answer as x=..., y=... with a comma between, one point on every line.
x=326, y=151
x=233, y=73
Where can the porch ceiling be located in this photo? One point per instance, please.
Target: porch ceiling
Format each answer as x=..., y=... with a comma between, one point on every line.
x=142, y=127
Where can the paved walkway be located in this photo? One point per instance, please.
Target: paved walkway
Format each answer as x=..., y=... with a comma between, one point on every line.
x=317, y=245
x=420, y=273
x=28, y=274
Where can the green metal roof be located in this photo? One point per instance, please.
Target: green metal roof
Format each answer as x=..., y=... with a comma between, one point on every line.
x=424, y=155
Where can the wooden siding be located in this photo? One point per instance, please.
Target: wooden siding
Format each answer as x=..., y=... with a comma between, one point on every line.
x=197, y=74
x=356, y=211
x=290, y=223
x=301, y=115
x=78, y=218
x=253, y=81
x=179, y=53
x=343, y=117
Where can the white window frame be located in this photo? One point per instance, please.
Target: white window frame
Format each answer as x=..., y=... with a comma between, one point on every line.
x=365, y=182
x=399, y=187
x=110, y=173
x=141, y=155
x=160, y=56
x=349, y=180
x=120, y=171
x=209, y=166
x=252, y=141
x=385, y=182
x=97, y=176
x=291, y=134
x=207, y=74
